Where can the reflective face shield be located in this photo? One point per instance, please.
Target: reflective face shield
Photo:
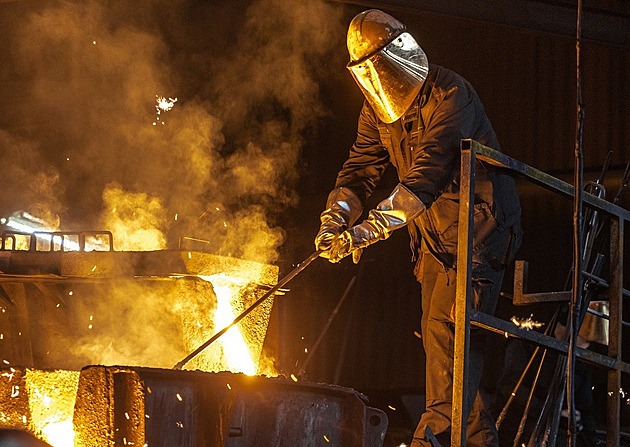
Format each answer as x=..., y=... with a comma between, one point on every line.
x=392, y=77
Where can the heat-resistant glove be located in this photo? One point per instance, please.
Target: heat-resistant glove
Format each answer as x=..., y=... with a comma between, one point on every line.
x=396, y=211
x=343, y=208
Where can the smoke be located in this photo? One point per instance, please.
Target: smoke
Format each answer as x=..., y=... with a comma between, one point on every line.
x=87, y=146
x=35, y=189
x=135, y=219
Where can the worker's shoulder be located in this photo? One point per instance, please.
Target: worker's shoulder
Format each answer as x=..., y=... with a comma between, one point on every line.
x=446, y=81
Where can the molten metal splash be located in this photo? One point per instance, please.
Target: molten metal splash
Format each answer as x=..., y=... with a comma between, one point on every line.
x=59, y=434
x=52, y=395
x=235, y=349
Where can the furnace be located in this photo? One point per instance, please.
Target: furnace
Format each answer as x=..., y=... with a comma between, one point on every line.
x=70, y=301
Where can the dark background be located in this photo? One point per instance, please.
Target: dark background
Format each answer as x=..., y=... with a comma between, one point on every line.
x=519, y=56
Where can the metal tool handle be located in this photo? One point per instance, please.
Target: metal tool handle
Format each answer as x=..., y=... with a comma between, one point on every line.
x=292, y=274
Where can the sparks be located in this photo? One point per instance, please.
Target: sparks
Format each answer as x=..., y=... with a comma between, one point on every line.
x=528, y=323
x=164, y=104
x=391, y=408
x=295, y=379
x=326, y=438
x=179, y=397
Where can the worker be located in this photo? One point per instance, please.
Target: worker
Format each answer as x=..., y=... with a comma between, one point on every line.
x=414, y=116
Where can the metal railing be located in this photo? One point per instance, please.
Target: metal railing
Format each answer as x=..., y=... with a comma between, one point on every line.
x=58, y=241
x=465, y=315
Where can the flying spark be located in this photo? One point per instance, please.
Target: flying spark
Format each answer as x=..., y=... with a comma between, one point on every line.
x=527, y=323
x=164, y=104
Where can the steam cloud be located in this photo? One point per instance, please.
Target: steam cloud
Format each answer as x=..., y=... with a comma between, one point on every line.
x=80, y=144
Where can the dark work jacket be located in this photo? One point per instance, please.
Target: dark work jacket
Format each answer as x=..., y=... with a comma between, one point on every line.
x=424, y=147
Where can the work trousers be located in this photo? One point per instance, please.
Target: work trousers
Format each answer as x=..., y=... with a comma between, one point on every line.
x=438, y=313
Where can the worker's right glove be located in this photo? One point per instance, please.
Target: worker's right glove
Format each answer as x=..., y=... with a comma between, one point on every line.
x=396, y=211
x=343, y=208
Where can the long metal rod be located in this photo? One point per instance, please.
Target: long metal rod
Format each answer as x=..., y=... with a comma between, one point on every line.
x=292, y=274
x=521, y=425
x=326, y=326
x=576, y=299
x=550, y=328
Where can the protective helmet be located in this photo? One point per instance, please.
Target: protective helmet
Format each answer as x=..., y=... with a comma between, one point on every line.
x=386, y=62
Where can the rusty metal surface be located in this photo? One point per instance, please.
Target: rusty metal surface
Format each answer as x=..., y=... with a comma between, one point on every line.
x=164, y=408
x=46, y=265
x=139, y=308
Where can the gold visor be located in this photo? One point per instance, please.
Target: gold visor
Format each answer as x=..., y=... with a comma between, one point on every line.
x=392, y=77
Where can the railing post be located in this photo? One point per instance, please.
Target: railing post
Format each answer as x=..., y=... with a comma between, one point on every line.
x=615, y=291
x=460, y=405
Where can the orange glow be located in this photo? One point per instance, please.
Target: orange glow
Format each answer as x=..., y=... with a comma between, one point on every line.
x=235, y=349
x=52, y=395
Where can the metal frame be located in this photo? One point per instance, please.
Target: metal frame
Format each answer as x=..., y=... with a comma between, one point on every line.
x=56, y=238
x=465, y=315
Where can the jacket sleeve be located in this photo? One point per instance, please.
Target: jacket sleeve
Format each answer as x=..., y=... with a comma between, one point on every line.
x=435, y=161
x=367, y=160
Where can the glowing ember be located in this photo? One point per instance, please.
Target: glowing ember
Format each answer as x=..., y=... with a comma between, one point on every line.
x=235, y=349
x=165, y=104
x=527, y=323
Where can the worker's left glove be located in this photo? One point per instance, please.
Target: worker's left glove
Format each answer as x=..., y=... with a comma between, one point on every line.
x=396, y=211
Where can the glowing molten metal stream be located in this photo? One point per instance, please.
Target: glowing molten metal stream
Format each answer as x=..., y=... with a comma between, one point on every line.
x=235, y=349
